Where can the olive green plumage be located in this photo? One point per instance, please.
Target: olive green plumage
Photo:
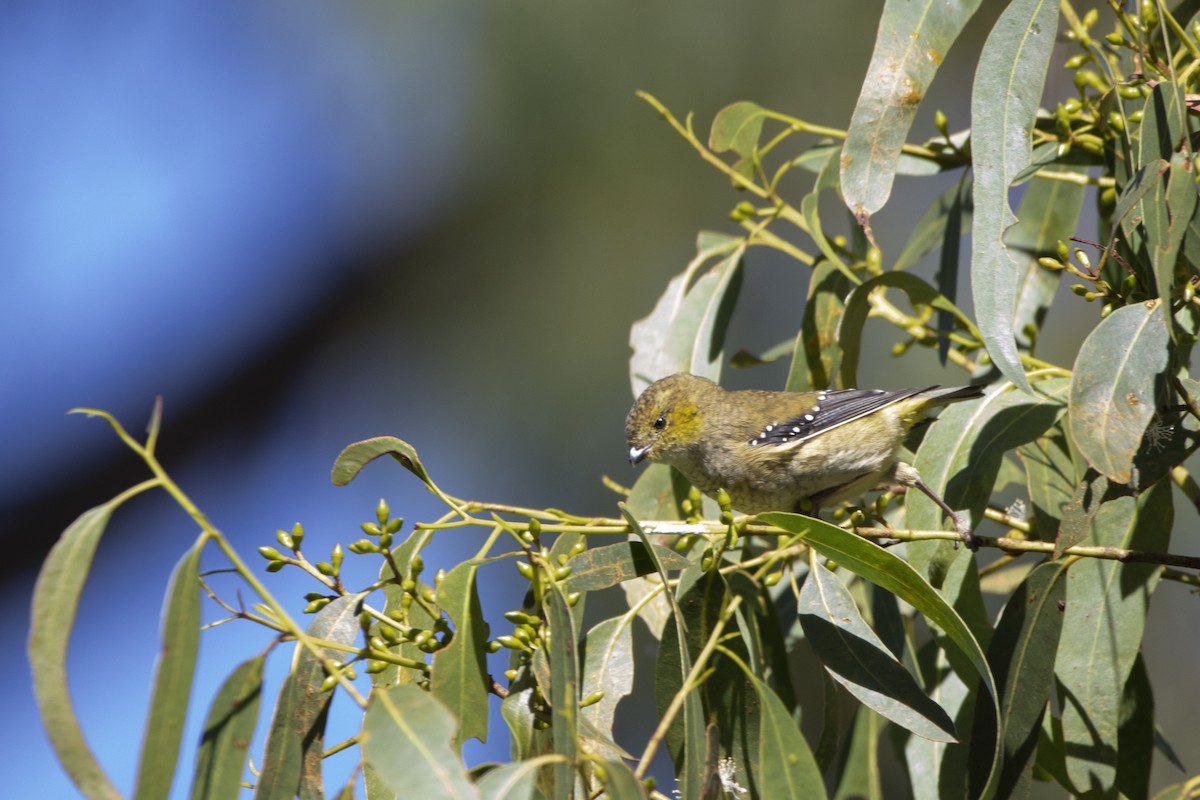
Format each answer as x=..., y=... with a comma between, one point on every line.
x=772, y=450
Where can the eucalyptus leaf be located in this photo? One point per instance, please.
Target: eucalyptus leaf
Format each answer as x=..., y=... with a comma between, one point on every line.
x=459, y=677
x=602, y=567
x=1009, y=79
x=228, y=729
x=354, y=457
x=911, y=43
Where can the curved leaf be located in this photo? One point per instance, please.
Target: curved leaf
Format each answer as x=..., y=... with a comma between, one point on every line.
x=351, y=460
x=784, y=766
x=888, y=571
x=1102, y=631
x=297, y=728
x=1022, y=658
x=228, y=730
x=912, y=41
x=607, y=667
x=737, y=127
x=55, y=604
x=564, y=690
x=858, y=304
x=459, y=676
x=171, y=695
x=1113, y=388
x=860, y=661
x=406, y=737
x=1004, y=102
x=816, y=349
x=686, y=330
x=602, y=567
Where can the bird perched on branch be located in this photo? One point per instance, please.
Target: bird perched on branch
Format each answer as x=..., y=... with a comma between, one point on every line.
x=772, y=451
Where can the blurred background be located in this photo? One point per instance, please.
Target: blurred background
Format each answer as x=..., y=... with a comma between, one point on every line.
x=307, y=224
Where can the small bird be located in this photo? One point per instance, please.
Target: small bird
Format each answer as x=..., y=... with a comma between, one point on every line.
x=772, y=451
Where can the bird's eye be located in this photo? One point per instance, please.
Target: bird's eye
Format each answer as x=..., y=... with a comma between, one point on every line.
x=660, y=423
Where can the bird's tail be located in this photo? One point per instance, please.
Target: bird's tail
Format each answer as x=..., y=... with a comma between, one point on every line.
x=938, y=396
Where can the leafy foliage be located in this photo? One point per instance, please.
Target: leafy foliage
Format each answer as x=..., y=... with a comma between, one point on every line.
x=1055, y=690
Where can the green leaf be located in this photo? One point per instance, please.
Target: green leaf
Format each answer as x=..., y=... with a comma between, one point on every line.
x=406, y=738
x=912, y=41
x=602, y=567
x=459, y=676
x=810, y=208
x=686, y=330
x=658, y=493
x=816, y=349
x=1136, y=735
x=1050, y=478
x=737, y=127
x=620, y=782
x=1166, y=219
x=1022, y=656
x=1113, y=388
x=1049, y=212
x=888, y=571
x=1008, y=87
x=1102, y=631
x=55, y=605
x=510, y=781
x=784, y=766
x=961, y=453
x=351, y=461
x=860, y=661
x=607, y=667
x=172, y=690
x=861, y=778
x=1080, y=510
x=228, y=729
x=298, y=725
x=690, y=761
x=858, y=306
x=564, y=690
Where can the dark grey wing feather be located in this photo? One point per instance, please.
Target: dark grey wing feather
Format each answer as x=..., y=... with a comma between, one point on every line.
x=833, y=408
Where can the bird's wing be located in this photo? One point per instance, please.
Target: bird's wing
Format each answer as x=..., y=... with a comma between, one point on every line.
x=832, y=408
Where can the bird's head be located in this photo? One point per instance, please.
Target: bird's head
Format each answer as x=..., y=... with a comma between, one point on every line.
x=667, y=420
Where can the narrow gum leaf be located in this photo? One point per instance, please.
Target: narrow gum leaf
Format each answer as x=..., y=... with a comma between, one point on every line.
x=299, y=720
x=602, y=567
x=911, y=43
x=1004, y=100
x=228, y=730
x=859, y=660
x=169, y=699
x=1113, y=389
x=406, y=737
x=351, y=461
x=459, y=677
x=888, y=571
x=564, y=690
x=55, y=605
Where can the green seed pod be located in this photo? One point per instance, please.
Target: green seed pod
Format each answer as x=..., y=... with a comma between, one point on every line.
x=573, y=598
x=1116, y=121
x=562, y=573
x=723, y=500
x=562, y=559
x=285, y=539
x=362, y=546
x=382, y=512
x=940, y=122
x=1189, y=292
x=328, y=684
x=377, y=643
x=492, y=646
x=394, y=525
x=773, y=578
x=325, y=568
x=1076, y=61
x=858, y=518
x=314, y=596
x=385, y=540
x=1082, y=257
x=1090, y=296
x=370, y=529
x=376, y=667
x=874, y=259
x=270, y=554
x=1108, y=309
x=535, y=526
x=1050, y=263
x=1116, y=39
x=591, y=699
x=511, y=643
x=439, y=577
x=389, y=635
x=275, y=566
x=526, y=569
x=1129, y=93
x=511, y=674
x=336, y=557
x=297, y=534
x=316, y=605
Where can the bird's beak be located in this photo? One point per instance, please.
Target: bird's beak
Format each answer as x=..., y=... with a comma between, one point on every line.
x=636, y=454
